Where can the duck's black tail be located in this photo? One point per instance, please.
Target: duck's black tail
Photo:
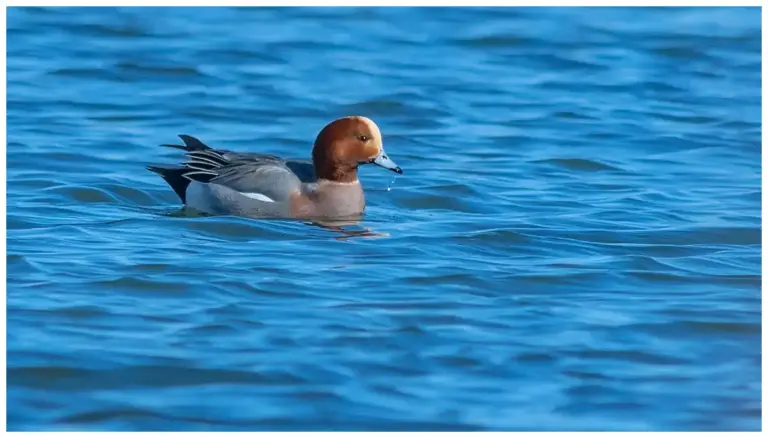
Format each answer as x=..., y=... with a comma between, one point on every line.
x=175, y=179
x=190, y=144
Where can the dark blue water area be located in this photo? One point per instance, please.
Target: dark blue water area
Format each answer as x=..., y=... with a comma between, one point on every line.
x=575, y=243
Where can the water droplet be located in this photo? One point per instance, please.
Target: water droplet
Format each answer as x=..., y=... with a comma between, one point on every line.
x=391, y=183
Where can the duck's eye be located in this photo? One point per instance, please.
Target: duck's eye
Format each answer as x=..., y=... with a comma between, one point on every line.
x=364, y=138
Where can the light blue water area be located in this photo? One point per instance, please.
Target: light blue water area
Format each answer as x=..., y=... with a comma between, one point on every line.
x=575, y=243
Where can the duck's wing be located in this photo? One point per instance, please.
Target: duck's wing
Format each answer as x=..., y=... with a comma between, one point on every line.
x=259, y=176
x=266, y=181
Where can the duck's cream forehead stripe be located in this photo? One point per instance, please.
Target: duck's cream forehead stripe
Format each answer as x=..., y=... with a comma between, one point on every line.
x=378, y=142
x=370, y=124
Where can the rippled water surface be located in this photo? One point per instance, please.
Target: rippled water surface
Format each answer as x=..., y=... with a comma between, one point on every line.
x=575, y=243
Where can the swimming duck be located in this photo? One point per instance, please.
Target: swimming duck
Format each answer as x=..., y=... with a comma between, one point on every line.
x=251, y=184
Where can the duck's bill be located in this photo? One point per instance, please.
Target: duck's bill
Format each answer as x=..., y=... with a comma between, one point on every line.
x=384, y=161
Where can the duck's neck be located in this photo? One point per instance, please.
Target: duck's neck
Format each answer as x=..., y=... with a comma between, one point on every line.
x=322, y=182
x=337, y=174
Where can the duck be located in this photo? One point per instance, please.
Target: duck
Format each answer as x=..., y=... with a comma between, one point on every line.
x=220, y=181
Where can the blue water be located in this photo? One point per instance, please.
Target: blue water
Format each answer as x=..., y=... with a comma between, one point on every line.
x=575, y=243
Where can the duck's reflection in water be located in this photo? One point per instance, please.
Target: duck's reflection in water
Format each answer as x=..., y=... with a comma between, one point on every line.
x=347, y=228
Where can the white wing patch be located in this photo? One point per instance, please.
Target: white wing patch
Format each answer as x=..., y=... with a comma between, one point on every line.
x=258, y=196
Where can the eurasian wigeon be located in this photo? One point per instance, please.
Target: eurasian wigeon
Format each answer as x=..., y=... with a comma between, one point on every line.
x=248, y=184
